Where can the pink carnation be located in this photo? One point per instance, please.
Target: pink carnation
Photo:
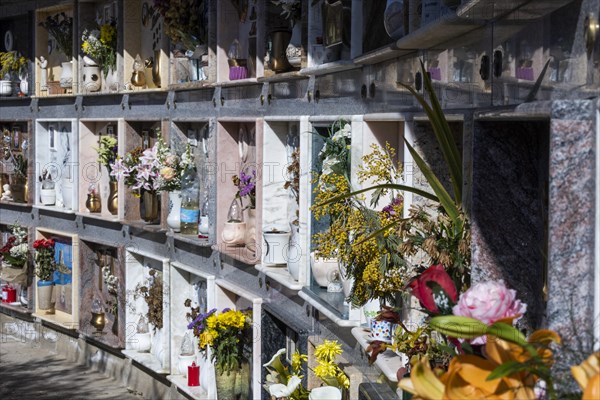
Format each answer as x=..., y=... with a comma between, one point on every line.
x=489, y=302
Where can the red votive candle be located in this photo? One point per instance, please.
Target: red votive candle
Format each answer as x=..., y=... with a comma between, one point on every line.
x=194, y=375
x=11, y=294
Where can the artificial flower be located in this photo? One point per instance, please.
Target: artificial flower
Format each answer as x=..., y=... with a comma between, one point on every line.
x=587, y=375
x=444, y=298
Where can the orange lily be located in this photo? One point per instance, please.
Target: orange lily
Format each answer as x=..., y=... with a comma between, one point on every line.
x=587, y=375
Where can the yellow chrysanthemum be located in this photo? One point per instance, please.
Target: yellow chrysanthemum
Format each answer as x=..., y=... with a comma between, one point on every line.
x=328, y=350
x=297, y=360
x=211, y=322
x=325, y=370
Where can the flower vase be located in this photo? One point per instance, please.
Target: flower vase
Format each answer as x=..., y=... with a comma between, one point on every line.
x=66, y=75
x=276, y=246
x=294, y=253
x=250, y=235
x=113, y=197
x=174, y=217
x=18, y=188
x=24, y=86
x=45, y=300
x=91, y=78
x=67, y=193
x=234, y=385
x=110, y=81
x=279, y=43
x=149, y=207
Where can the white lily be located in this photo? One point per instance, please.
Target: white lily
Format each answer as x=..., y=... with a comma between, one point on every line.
x=279, y=390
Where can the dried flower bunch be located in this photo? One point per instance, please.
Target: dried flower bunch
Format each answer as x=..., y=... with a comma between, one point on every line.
x=291, y=9
x=101, y=45
x=60, y=27
x=152, y=293
x=45, y=265
x=46, y=179
x=293, y=182
x=186, y=21
x=15, y=251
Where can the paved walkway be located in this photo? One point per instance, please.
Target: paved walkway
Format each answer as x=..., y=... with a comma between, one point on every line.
x=29, y=371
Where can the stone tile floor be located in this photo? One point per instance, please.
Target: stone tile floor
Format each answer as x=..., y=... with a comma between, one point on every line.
x=30, y=371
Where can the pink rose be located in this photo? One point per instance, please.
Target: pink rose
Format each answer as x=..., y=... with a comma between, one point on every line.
x=167, y=173
x=489, y=302
x=171, y=160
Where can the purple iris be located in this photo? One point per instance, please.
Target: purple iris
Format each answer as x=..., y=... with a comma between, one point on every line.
x=390, y=209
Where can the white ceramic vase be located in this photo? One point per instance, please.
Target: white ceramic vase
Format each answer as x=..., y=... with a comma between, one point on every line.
x=183, y=362
x=48, y=197
x=66, y=75
x=92, y=81
x=234, y=233
x=250, y=236
x=5, y=88
x=174, y=217
x=325, y=393
x=323, y=269
x=276, y=247
x=294, y=254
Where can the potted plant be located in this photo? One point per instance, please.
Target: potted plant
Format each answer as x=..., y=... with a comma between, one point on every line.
x=107, y=154
x=47, y=190
x=228, y=334
x=45, y=265
x=12, y=66
x=60, y=27
x=14, y=255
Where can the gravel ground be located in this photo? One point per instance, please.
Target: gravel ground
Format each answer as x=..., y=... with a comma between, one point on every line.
x=28, y=371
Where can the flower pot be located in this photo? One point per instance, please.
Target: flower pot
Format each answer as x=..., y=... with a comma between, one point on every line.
x=250, y=236
x=276, y=247
x=236, y=384
x=92, y=81
x=113, y=197
x=48, y=197
x=174, y=217
x=5, y=88
x=322, y=269
x=45, y=299
x=234, y=233
x=66, y=75
x=150, y=207
x=381, y=330
x=183, y=362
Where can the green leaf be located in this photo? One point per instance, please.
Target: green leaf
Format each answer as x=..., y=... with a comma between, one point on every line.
x=395, y=186
x=507, y=368
x=443, y=196
x=458, y=327
x=442, y=133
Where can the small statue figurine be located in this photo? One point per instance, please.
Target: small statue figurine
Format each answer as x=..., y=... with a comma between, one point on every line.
x=6, y=194
x=44, y=74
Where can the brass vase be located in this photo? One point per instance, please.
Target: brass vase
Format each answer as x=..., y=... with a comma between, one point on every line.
x=93, y=203
x=156, y=68
x=138, y=78
x=150, y=206
x=98, y=321
x=113, y=197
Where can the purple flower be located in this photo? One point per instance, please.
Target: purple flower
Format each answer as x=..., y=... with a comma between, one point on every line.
x=393, y=209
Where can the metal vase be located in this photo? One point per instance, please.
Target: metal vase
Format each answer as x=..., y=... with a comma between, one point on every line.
x=150, y=208
x=156, y=68
x=279, y=42
x=113, y=197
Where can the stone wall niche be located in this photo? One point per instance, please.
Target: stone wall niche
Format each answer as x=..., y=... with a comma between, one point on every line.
x=510, y=209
